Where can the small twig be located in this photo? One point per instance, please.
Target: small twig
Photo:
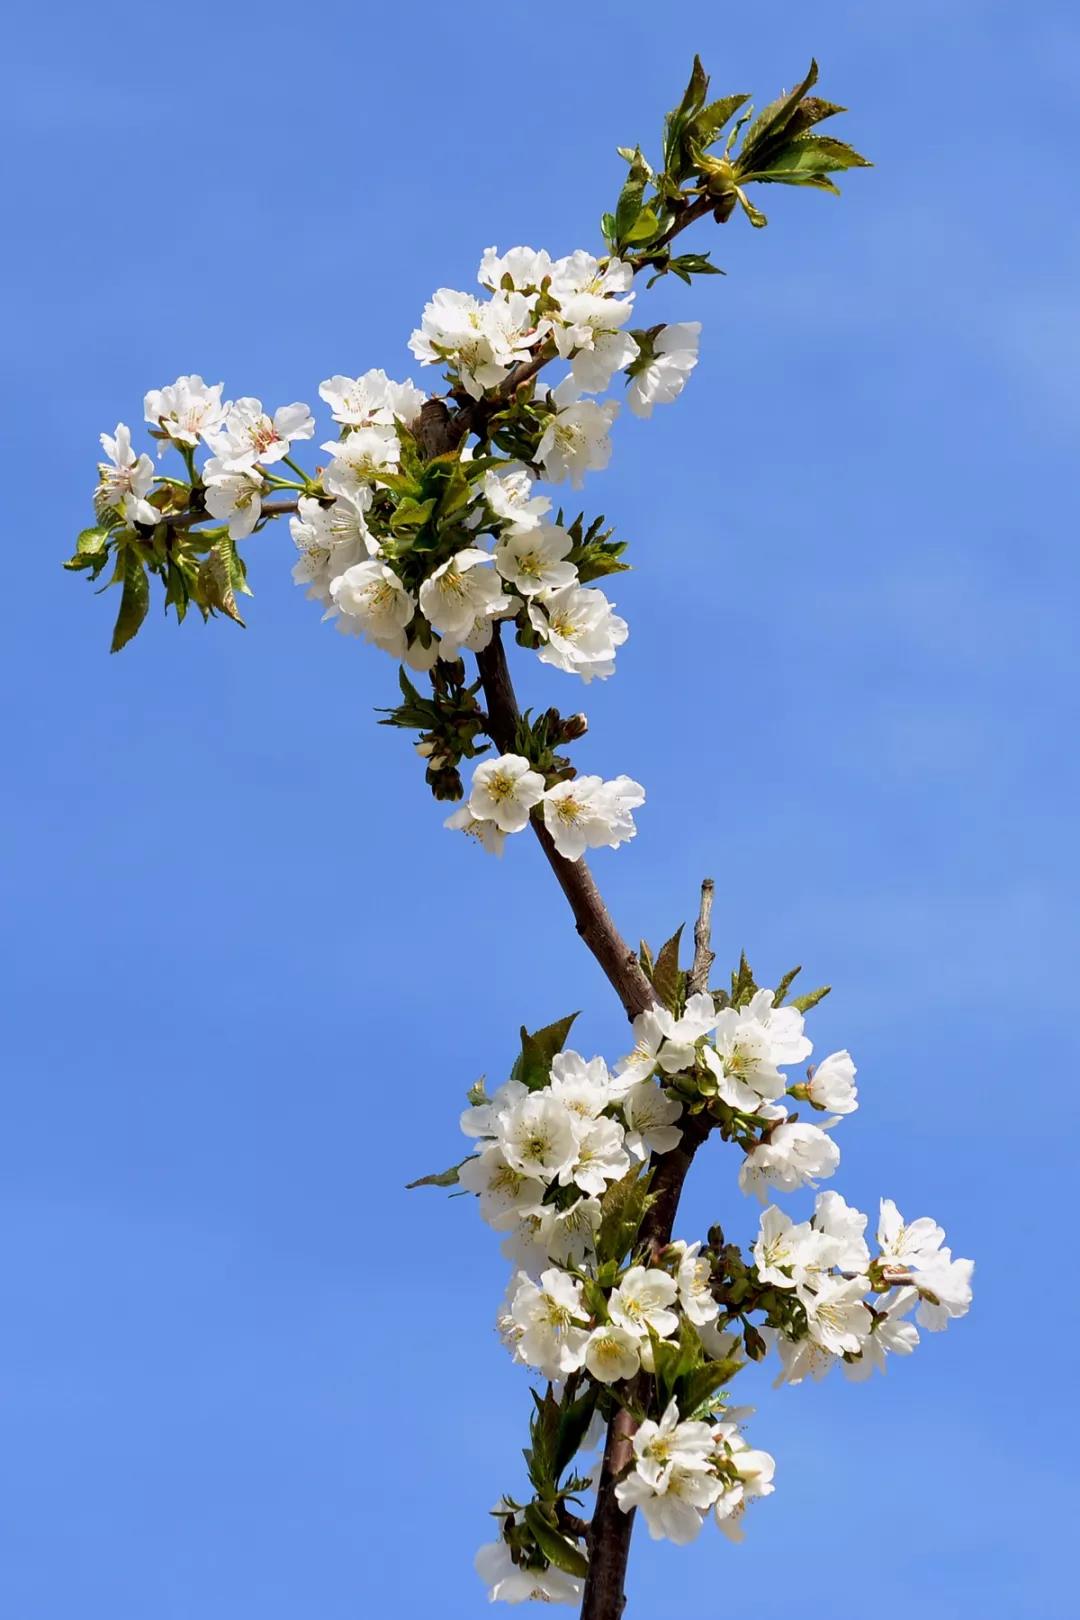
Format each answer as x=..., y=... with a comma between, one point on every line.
x=704, y=957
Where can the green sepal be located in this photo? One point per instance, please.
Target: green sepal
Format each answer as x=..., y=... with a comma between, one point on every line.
x=804, y=1003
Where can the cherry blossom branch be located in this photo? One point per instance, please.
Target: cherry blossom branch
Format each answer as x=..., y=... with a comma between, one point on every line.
x=704, y=957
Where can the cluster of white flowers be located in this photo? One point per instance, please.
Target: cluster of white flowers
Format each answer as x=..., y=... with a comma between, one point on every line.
x=546, y=1158
x=585, y=813
x=742, y=1051
x=855, y=1307
x=575, y=307
x=684, y=1468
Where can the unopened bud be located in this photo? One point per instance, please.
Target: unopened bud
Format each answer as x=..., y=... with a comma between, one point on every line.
x=574, y=726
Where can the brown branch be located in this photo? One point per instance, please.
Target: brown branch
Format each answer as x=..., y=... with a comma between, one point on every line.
x=594, y=921
x=704, y=957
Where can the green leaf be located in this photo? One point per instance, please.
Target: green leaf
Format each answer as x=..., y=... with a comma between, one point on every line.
x=644, y=228
x=774, y=119
x=134, y=601
x=221, y=575
x=91, y=542
x=667, y=979
x=704, y=129
x=806, y=160
x=630, y=198
x=743, y=984
x=622, y=1209
x=785, y=985
x=574, y=1420
x=697, y=1388
x=804, y=1003
x=556, y=1548
x=445, y=1178
x=533, y=1067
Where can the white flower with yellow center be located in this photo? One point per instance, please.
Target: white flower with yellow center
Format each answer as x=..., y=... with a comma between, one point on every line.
x=509, y=496
x=588, y=813
x=792, y=1157
x=525, y=268
x=504, y=1192
x=460, y=591
x=584, y=1087
x=575, y=440
x=374, y=397
x=504, y=790
x=612, y=1354
x=235, y=496
x=601, y=1157
x=533, y=559
x=187, y=410
x=358, y=458
x=373, y=603
x=890, y=1335
x=537, y=1136
x=249, y=434
x=650, y=1116
x=694, y=1279
x=330, y=539
x=553, y=1336
x=126, y=479
x=580, y=631
x=642, y=1301
x=836, y=1316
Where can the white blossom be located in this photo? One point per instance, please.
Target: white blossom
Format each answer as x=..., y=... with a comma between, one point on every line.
x=234, y=494
x=505, y=1193
x=584, y=1087
x=674, y=1507
x=682, y=1035
x=594, y=365
x=575, y=440
x=612, y=1353
x=944, y=1291
x=534, y=559
x=836, y=1315
x=642, y=1300
x=537, y=1136
x=460, y=591
x=515, y=1583
x=330, y=539
x=695, y=1293
x=509, y=496
x=831, y=1086
x=801, y=1359
x=650, y=1030
x=488, y=834
x=793, y=1155
x=373, y=603
x=588, y=813
x=526, y=268
x=374, y=397
x=663, y=376
x=889, y=1335
x=548, y=1233
x=845, y=1227
x=601, y=1157
x=128, y=480
x=547, y=1312
x=359, y=457
x=187, y=410
x=751, y=1043
x=580, y=631
x=481, y=340
x=249, y=434
x=650, y=1116
x=504, y=790
x=916, y=1245
x=580, y=272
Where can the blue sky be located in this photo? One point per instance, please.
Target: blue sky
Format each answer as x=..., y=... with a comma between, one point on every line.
x=245, y=1374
